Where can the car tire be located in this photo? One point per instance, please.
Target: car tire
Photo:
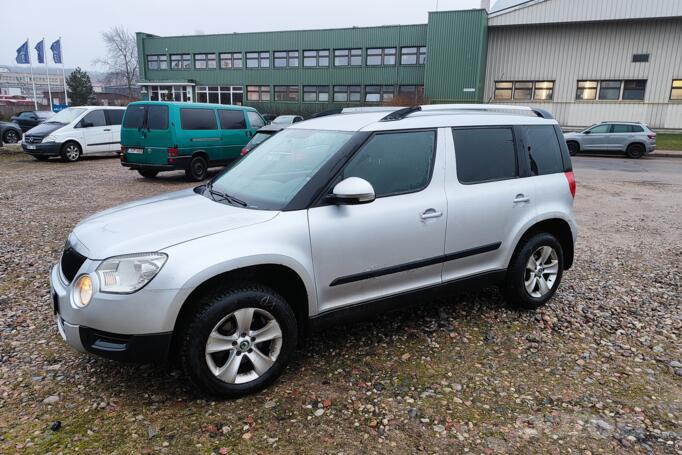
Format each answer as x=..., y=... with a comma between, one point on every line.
x=147, y=173
x=635, y=151
x=197, y=169
x=535, y=271
x=573, y=148
x=41, y=157
x=71, y=152
x=11, y=137
x=220, y=351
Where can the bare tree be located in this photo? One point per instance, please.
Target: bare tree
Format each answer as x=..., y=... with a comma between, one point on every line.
x=121, y=57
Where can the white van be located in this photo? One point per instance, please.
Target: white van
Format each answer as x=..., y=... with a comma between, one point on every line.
x=76, y=131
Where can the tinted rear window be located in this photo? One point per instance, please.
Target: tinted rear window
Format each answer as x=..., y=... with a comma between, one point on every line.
x=485, y=154
x=198, y=119
x=114, y=116
x=544, y=152
x=619, y=128
x=157, y=117
x=134, y=117
x=231, y=120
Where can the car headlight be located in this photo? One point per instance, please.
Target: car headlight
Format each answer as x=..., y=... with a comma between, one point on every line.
x=130, y=272
x=50, y=139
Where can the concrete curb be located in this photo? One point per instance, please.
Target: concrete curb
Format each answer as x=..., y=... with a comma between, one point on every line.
x=666, y=154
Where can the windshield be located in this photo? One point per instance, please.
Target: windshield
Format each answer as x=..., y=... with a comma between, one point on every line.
x=67, y=116
x=274, y=172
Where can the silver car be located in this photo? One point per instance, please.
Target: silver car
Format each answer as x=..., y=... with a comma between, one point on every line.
x=633, y=139
x=328, y=219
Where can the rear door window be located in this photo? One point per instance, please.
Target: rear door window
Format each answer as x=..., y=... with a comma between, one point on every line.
x=94, y=118
x=157, y=117
x=544, y=151
x=395, y=163
x=134, y=117
x=485, y=154
x=231, y=119
x=255, y=120
x=114, y=116
x=198, y=119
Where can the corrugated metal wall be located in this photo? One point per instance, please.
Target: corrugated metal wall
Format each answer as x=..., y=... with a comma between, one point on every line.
x=556, y=11
x=592, y=51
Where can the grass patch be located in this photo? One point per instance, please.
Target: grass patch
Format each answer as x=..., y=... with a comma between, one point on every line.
x=669, y=141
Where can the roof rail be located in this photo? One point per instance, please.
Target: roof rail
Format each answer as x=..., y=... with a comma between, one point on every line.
x=326, y=113
x=400, y=113
x=487, y=108
x=353, y=110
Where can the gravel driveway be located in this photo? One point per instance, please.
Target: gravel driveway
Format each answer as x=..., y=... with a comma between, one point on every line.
x=599, y=370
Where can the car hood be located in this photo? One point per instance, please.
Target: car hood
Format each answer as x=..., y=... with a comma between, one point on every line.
x=44, y=129
x=158, y=222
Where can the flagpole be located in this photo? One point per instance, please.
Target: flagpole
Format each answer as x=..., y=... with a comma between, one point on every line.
x=30, y=63
x=47, y=71
x=61, y=55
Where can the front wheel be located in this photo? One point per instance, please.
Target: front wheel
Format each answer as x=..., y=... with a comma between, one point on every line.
x=238, y=341
x=573, y=148
x=535, y=272
x=71, y=152
x=197, y=169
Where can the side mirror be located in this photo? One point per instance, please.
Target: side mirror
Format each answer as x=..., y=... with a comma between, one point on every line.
x=353, y=190
x=587, y=132
x=86, y=125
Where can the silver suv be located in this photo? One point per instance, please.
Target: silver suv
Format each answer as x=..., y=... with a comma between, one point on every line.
x=330, y=218
x=633, y=139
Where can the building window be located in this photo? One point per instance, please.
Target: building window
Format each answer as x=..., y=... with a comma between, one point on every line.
x=587, y=90
x=628, y=90
x=313, y=93
x=157, y=62
x=168, y=93
x=230, y=60
x=181, y=61
x=316, y=58
x=640, y=58
x=381, y=56
x=634, y=90
x=258, y=59
x=286, y=92
x=347, y=93
x=676, y=91
x=524, y=90
x=413, y=55
x=609, y=90
x=204, y=61
x=347, y=57
x=258, y=93
x=220, y=95
x=411, y=93
x=284, y=59
x=379, y=93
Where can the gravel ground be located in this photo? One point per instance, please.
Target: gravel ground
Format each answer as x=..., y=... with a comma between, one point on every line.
x=599, y=370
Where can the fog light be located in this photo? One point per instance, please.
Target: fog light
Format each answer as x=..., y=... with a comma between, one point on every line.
x=83, y=290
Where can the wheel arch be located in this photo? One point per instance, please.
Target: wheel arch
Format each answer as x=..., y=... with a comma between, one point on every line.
x=560, y=229
x=72, y=139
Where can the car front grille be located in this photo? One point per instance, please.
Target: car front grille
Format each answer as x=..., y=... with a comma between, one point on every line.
x=71, y=262
x=33, y=139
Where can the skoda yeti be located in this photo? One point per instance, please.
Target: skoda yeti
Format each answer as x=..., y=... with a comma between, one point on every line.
x=329, y=217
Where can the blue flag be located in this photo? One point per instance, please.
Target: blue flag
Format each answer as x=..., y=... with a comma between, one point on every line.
x=56, y=49
x=40, y=49
x=23, y=56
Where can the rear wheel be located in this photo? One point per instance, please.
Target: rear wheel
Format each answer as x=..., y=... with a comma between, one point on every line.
x=573, y=148
x=239, y=340
x=71, y=152
x=147, y=173
x=197, y=169
x=635, y=151
x=11, y=137
x=535, y=272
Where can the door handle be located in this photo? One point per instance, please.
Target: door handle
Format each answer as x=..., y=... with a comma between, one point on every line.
x=430, y=213
x=521, y=198
x=107, y=129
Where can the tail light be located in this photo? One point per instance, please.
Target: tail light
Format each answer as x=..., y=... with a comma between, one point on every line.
x=172, y=153
x=651, y=136
x=571, y=182
x=123, y=149
x=244, y=151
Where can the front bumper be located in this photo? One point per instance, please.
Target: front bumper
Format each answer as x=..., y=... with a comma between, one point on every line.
x=47, y=149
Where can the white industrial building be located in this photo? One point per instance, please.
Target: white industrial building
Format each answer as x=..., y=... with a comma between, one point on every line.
x=588, y=61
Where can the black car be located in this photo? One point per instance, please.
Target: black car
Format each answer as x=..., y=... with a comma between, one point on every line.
x=10, y=133
x=28, y=119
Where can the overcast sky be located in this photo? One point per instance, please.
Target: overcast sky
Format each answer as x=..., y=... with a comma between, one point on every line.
x=80, y=22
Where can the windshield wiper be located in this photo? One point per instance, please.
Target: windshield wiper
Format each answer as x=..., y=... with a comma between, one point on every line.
x=224, y=196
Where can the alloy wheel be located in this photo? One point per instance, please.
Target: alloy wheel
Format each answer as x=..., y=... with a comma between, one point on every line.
x=71, y=151
x=11, y=137
x=243, y=345
x=542, y=270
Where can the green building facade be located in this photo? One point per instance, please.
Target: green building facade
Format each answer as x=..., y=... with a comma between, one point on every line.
x=307, y=71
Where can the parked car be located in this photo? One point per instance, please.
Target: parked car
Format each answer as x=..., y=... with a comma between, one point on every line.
x=287, y=120
x=269, y=117
x=10, y=133
x=74, y=132
x=28, y=119
x=632, y=138
x=327, y=219
x=261, y=136
x=166, y=136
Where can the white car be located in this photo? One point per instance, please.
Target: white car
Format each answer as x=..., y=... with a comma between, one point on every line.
x=76, y=131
